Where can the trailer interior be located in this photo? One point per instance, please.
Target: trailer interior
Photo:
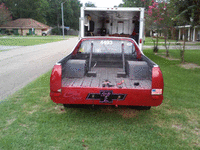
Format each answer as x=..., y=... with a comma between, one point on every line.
x=111, y=23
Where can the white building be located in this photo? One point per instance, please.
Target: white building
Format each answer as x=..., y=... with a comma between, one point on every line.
x=192, y=34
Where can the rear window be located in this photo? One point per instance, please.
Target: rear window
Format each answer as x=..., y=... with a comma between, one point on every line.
x=107, y=46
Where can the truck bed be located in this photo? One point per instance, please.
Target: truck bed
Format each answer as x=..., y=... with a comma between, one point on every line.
x=109, y=74
x=107, y=71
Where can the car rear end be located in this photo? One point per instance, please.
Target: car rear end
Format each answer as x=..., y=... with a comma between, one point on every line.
x=107, y=88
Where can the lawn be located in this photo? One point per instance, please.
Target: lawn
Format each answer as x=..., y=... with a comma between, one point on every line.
x=191, y=56
x=148, y=41
x=30, y=120
x=198, y=43
x=29, y=40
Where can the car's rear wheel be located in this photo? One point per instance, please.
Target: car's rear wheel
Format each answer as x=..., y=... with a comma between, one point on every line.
x=146, y=107
x=141, y=107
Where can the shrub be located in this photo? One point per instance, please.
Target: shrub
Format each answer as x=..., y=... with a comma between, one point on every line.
x=56, y=31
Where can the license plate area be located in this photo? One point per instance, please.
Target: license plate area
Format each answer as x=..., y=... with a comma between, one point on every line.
x=106, y=96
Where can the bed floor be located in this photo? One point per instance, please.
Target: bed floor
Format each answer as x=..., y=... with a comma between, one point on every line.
x=104, y=74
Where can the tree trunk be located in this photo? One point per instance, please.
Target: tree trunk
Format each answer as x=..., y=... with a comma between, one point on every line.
x=156, y=44
x=167, y=49
x=157, y=39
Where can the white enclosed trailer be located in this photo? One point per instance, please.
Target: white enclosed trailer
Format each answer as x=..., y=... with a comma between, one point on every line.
x=117, y=22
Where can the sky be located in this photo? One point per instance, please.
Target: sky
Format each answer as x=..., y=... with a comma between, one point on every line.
x=103, y=3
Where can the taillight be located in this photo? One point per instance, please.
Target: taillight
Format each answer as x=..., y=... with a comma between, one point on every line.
x=157, y=81
x=56, y=78
x=140, y=40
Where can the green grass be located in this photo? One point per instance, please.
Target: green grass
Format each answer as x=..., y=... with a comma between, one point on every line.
x=198, y=43
x=191, y=56
x=29, y=40
x=148, y=41
x=30, y=120
x=4, y=50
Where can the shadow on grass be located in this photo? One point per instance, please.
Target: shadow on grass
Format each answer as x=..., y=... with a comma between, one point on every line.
x=123, y=111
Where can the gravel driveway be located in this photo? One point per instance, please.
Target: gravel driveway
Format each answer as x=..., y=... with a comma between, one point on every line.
x=23, y=64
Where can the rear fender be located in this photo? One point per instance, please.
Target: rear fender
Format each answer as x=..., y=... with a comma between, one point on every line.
x=157, y=83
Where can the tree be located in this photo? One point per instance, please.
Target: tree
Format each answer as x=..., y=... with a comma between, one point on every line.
x=136, y=3
x=159, y=18
x=89, y=4
x=46, y=11
x=71, y=10
x=35, y=9
x=5, y=14
x=167, y=24
x=187, y=13
x=153, y=21
x=40, y=11
x=54, y=13
x=190, y=10
x=133, y=3
x=76, y=5
x=72, y=14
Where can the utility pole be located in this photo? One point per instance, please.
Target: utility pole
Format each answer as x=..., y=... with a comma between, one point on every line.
x=62, y=19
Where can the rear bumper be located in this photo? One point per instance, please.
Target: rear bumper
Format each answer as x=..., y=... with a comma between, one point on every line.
x=131, y=97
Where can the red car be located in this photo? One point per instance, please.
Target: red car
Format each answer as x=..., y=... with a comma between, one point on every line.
x=107, y=71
